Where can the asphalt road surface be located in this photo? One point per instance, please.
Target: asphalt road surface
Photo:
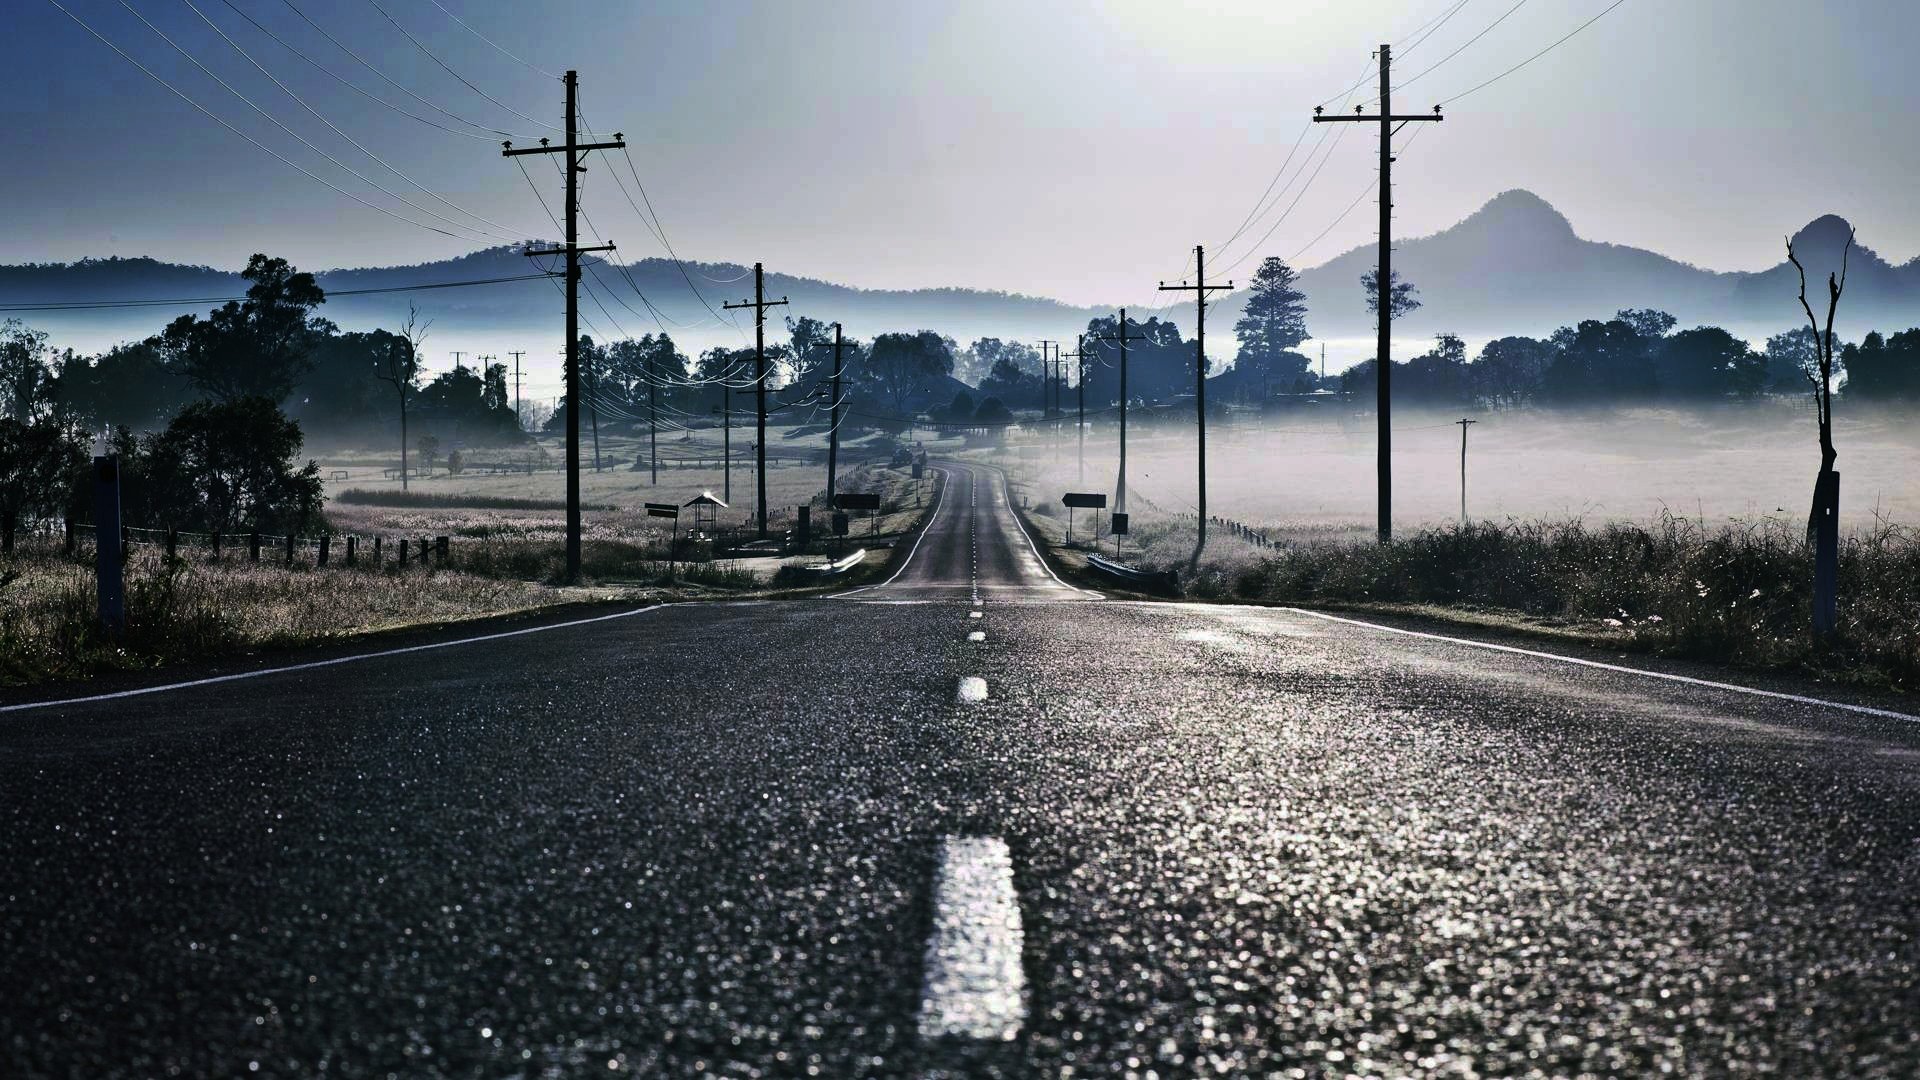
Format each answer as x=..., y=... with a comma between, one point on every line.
x=908, y=832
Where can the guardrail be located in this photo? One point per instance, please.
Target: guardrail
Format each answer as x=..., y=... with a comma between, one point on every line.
x=838, y=566
x=1151, y=580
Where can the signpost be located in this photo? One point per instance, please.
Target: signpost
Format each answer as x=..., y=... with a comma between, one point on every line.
x=857, y=500
x=107, y=543
x=1095, y=500
x=1119, y=522
x=668, y=510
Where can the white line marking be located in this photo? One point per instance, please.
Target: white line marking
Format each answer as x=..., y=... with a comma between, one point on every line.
x=977, y=635
x=1007, y=486
x=1689, y=680
x=973, y=614
x=308, y=666
x=973, y=688
x=911, y=552
x=974, y=987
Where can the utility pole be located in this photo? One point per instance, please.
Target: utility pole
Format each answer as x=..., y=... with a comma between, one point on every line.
x=518, y=419
x=457, y=354
x=726, y=442
x=1323, y=365
x=1463, y=422
x=653, y=421
x=1046, y=378
x=833, y=427
x=1121, y=336
x=760, y=304
x=1199, y=289
x=572, y=250
x=1384, y=350
x=1080, y=367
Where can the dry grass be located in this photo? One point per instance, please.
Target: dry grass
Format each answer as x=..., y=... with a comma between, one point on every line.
x=187, y=609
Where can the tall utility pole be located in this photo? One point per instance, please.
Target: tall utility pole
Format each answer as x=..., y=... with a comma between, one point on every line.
x=726, y=442
x=760, y=304
x=833, y=427
x=1079, y=355
x=572, y=250
x=653, y=419
x=1046, y=378
x=1463, y=422
x=1121, y=336
x=517, y=354
x=1384, y=350
x=1199, y=289
x=457, y=354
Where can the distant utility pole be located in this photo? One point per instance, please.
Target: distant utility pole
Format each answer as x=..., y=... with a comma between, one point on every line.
x=457, y=354
x=1121, y=336
x=1199, y=289
x=1384, y=350
x=1323, y=364
x=1046, y=378
x=726, y=442
x=572, y=250
x=653, y=421
x=833, y=427
x=1079, y=355
x=760, y=304
x=1463, y=422
x=516, y=387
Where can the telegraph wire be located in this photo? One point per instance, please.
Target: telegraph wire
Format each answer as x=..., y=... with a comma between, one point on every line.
x=496, y=45
x=193, y=301
x=1535, y=56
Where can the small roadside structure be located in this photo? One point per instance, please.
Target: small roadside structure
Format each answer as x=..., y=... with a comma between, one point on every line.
x=706, y=513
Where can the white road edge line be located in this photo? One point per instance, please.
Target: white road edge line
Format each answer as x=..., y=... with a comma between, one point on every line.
x=1688, y=680
x=974, y=986
x=1007, y=487
x=911, y=552
x=312, y=664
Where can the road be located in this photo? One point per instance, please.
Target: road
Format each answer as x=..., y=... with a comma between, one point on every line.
x=905, y=833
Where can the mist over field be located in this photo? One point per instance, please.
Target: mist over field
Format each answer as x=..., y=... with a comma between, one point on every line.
x=1315, y=471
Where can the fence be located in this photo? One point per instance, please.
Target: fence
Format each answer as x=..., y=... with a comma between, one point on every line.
x=323, y=551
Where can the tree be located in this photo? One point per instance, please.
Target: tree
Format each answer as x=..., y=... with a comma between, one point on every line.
x=902, y=364
x=1794, y=355
x=259, y=347
x=1272, y=324
x=1707, y=362
x=226, y=465
x=397, y=362
x=1599, y=362
x=1404, y=298
x=429, y=447
x=1823, y=519
x=38, y=460
x=1647, y=322
x=1509, y=371
x=26, y=381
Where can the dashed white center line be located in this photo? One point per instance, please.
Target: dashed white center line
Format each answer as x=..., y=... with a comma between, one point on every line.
x=973, y=688
x=977, y=635
x=974, y=614
x=975, y=988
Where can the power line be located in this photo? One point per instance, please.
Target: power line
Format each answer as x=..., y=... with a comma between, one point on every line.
x=1428, y=30
x=389, y=81
x=193, y=301
x=342, y=80
x=1456, y=52
x=382, y=162
x=497, y=46
x=418, y=44
x=1535, y=56
x=216, y=118
x=303, y=140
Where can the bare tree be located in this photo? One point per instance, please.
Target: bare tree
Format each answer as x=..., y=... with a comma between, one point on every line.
x=399, y=364
x=1823, y=529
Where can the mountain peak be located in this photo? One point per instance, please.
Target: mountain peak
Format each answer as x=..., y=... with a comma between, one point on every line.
x=1826, y=232
x=1520, y=209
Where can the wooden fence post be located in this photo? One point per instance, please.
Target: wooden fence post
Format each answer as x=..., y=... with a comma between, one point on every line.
x=253, y=545
x=289, y=549
x=403, y=552
x=352, y=543
x=173, y=544
x=440, y=544
x=326, y=542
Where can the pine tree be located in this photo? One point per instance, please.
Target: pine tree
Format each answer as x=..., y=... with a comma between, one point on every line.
x=1273, y=322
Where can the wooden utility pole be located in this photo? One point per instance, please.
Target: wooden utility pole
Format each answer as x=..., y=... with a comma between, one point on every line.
x=572, y=250
x=653, y=422
x=1120, y=335
x=833, y=426
x=1384, y=350
x=517, y=417
x=726, y=442
x=1463, y=422
x=760, y=304
x=1046, y=378
x=1080, y=368
x=1199, y=289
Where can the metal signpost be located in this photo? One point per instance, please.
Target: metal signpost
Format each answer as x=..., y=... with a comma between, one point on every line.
x=857, y=500
x=1094, y=500
x=668, y=510
x=1119, y=522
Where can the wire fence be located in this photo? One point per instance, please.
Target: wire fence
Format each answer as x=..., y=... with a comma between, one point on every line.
x=351, y=550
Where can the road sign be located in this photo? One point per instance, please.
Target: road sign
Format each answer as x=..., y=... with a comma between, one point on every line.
x=857, y=500
x=1094, y=499
x=665, y=510
x=839, y=523
x=1119, y=521
x=916, y=470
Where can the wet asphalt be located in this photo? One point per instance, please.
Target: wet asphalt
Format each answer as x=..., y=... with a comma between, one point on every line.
x=700, y=840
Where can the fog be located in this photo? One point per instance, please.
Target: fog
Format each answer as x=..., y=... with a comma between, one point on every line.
x=1316, y=471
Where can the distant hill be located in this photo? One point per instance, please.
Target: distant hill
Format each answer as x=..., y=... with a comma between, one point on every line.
x=1516, y=265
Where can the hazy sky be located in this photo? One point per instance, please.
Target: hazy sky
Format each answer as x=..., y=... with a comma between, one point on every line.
x=1069, y=150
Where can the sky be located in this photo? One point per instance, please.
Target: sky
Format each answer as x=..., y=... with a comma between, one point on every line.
x=1072, y=150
